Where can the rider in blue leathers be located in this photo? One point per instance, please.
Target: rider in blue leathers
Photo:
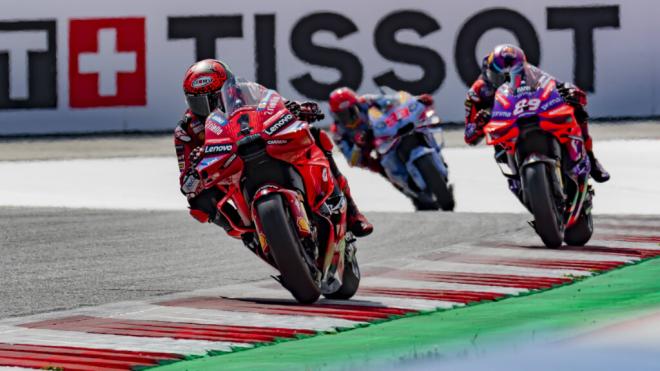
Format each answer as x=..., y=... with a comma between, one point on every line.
x=351, y=128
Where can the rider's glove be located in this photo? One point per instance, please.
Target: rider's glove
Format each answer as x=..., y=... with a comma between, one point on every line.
x=293, y=107
x=306, y=111
x=191, y=184
x=470, y=130
x=311, y=111
x=425, y=99
x=572, y=95
x=482, y=118
x=196, y=156
x=180, y=132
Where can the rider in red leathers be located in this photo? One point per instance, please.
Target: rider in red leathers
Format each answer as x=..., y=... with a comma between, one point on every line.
x=202, y=87
x=506, y=61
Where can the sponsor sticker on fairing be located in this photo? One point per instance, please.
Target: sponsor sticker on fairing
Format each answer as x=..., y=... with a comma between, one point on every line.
x=501, y=114
x=197, y=126
x=218, y=149
x=550, y=103
x=229, y=161
x=218, y=119
x=279, y=124
x=277, y=141
x=214, y=128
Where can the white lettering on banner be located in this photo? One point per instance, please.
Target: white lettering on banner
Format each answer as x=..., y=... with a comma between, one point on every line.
x=108, y=62
x=18, y=44
x=305, y=52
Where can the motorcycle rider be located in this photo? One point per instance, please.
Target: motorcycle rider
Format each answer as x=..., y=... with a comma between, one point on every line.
x=509, y=62
x=202, y=86
x=352, y=129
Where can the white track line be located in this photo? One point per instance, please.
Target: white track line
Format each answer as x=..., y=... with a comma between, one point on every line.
x=403, y=303
x=412, y=284
x=19, y=335
x=446, y=266
x=625, y=232
x=598, y=241
x=622, y=222
x=220, y=317
x=270, y=291
x=527, y=253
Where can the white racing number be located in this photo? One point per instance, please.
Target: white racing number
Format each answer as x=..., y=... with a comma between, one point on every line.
x=526, y=105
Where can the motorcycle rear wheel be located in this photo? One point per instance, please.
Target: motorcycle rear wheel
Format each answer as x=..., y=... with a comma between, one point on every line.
x=436, y=182
x=287, y=250
x=580, y=232
x=542, y=203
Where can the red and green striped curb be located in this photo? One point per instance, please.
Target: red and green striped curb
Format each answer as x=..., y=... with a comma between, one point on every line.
x=446, y=333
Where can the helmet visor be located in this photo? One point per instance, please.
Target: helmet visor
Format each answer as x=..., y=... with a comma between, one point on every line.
x=203, y=104
x=348, y=117
x=497, y=78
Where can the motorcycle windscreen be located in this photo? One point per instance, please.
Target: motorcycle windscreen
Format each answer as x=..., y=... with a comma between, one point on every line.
x=238, y=93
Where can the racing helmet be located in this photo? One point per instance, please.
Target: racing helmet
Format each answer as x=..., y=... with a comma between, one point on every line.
x=505, y=64
x=203, y=84
x=344, y=107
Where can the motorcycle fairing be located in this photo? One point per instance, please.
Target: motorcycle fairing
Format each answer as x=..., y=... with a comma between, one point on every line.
x=262, y=120
x=406, y=115
x=515, y=108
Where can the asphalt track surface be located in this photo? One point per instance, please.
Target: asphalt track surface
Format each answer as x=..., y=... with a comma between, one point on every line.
x=56, y=259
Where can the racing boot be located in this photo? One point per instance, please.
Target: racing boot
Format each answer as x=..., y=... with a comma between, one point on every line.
x=598, y=172
x=357, y=222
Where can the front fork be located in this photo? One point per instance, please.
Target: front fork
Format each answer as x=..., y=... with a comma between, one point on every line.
x=332, y=262
x=296, y=211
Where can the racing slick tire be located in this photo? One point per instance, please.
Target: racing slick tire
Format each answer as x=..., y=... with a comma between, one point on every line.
x=287, y=250
x=436, y=182
x=580, y=232
x=542, y=203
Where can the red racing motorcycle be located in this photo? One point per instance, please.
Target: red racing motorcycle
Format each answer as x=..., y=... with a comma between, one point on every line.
x=264, y=159
x=541, y=150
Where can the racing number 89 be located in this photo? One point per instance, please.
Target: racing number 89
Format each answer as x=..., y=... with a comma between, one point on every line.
x=526, y=105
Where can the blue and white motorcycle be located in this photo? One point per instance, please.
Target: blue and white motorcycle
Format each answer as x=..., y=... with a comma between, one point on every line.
x=405, y=140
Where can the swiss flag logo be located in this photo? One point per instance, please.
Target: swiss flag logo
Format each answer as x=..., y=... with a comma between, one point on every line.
x=107, y=62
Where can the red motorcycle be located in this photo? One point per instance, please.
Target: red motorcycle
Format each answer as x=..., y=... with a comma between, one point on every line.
x=264, y=159
x=541, y=149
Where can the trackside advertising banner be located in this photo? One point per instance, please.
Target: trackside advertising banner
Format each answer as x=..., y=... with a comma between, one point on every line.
x=71, y=66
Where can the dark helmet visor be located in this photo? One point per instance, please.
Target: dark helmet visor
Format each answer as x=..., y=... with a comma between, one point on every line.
x=203, y=104
x=348, y=116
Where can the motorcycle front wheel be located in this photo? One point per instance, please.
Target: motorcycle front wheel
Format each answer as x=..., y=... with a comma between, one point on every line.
x=580, y=232
x=542, y=203
x=436, y=182
x=287, y=250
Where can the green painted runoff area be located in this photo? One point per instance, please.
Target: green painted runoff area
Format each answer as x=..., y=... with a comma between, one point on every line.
x=457, y=331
